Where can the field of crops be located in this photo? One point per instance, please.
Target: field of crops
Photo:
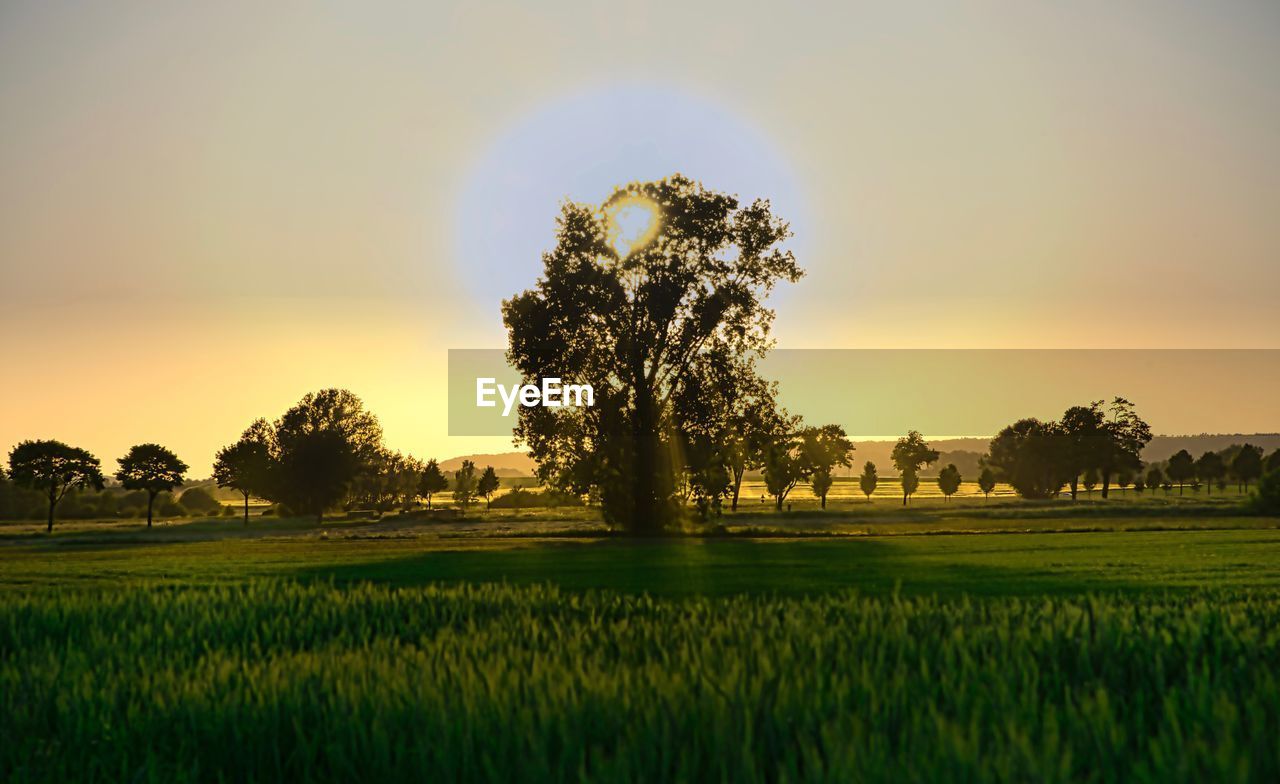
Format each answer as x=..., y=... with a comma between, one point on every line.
x=273, y=680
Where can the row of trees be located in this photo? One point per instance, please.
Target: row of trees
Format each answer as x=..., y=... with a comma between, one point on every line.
x=1244, y=465
x=327, y=452
x=323, y=453
x=55, y=469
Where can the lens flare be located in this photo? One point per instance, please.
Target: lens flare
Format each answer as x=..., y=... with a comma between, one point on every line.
x=633, y=223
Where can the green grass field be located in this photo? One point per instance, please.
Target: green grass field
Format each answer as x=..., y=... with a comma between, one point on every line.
x=522, y=648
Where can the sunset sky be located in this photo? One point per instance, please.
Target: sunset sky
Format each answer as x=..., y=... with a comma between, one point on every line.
x=208, y=210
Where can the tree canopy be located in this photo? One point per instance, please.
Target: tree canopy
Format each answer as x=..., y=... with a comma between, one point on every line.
x=152, y=468
x=640, y=324
x=53, y=468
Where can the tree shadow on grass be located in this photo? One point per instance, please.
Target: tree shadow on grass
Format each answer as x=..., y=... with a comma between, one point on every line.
x=717, y=567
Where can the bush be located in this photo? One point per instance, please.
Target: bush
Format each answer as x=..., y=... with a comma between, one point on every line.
x=167, y=506
x=1267, y=500
x=198, y=500
x=519, y=498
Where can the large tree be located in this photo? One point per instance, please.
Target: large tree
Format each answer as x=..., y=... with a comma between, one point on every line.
x=245, y=466
x=53, y=468
x=636, y=320
x=323, y=444
x=1126, y=436
x=822, y=449
x=1083, y=430
x=1028, y=456
x=910, y=454
x=152, y=468
x=464, y=485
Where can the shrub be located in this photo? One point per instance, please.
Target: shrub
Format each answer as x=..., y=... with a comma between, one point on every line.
x=1267, y=499
x=198, y=500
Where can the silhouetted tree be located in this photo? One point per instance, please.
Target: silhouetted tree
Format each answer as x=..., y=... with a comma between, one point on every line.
x=53, y=468
x=1268, y=499
x=1272, y=462
x=152, y=468
x=1126, y=436
x=1181, y=469
x=432, y=481
x=986, y=482
x=323, y=444
x=1090, y=480
x=1084, y=433
x=1247, y=465
x=821, y=450
x=782, y=468
x=488, y=485
x=949, y=481
x=637, y=324
x=1139, y=484
x=1028, y=456
x=910, y=454
x=1155, y=478
x=869, y=479
x=1124, y=477
x=246, y=465
x=1210, y=467
x=464, y=485
x=910, y=481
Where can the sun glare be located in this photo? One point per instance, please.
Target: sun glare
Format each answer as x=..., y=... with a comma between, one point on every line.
x=633, y=223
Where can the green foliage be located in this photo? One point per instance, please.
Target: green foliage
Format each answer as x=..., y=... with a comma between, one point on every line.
x=321, y=446
x=949, y=481
x=1031, y=457
x=488, y=485
x=1181, y=468
x=198, y=500
x=507, y=683
x=464, y=485
x=54, y=469
x=868, y=480
x=154, y=469
x=986, y=481
x=653, y=329
x=432, y=481
x=910, y=454
x=1247, y=464
x=246, y=466
x=1267, y=500
x=548, y=498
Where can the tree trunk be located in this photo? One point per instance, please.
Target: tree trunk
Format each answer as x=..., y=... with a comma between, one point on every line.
x=151, y=499
x=53, y=501
x=1106, y=483
x=737, y=486
x=246, y=510
x=428, y=502
x=1075, y=486
x=646, y=517
x=824, y=500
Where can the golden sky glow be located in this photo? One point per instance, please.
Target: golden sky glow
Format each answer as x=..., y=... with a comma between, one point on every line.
x=207, y=211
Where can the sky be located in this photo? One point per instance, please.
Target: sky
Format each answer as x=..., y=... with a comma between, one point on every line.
x=208, y=210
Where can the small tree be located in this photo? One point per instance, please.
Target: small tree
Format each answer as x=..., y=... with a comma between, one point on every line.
x=54, y=468
x=910, y=484
x=910, y=454
x=433, y=481
x=487, y=485
x=821, y=450
x=1272, y=462
x=1124, y=477
x=986, y=482
x=464, y=485
x=1155, y=478
x=1090, y=480
x=782, y=468
x=949, y=481
x=152, y=468
x=1247, y=465
x=1139, y=484
x=245, y=466
x=1210, y=467
x=868, y=480
x=1181, y=469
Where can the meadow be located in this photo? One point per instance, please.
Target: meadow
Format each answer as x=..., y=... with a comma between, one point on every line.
x=525, y=647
